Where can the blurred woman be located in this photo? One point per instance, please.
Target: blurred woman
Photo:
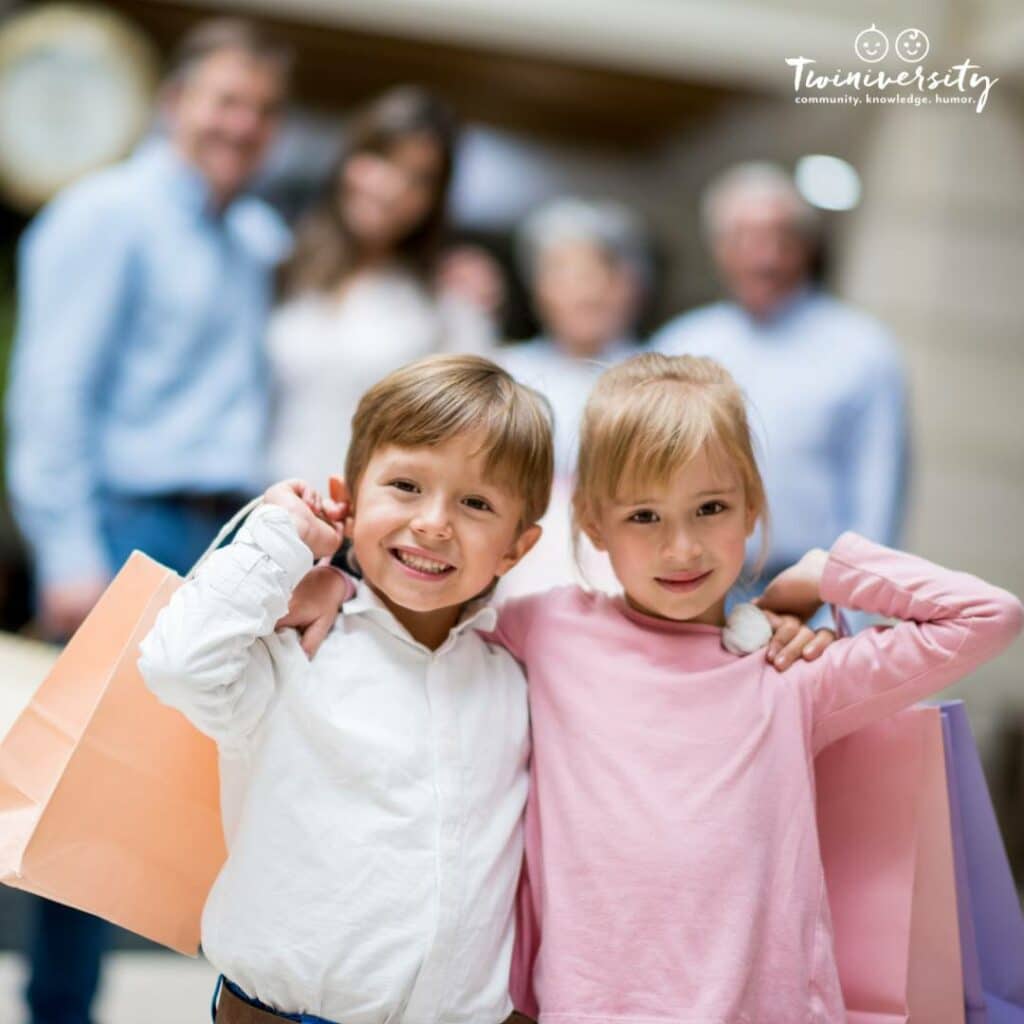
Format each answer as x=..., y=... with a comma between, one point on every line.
x=359, y=293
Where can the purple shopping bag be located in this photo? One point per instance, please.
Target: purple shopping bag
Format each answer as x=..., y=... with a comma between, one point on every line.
x=991, y=921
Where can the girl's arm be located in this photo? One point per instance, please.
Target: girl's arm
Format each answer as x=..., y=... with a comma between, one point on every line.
x=207, y=654
x=951, y=623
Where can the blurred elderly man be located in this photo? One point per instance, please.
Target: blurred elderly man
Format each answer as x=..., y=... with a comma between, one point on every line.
x=825, y=382
x=587, y=266
x=138, y=399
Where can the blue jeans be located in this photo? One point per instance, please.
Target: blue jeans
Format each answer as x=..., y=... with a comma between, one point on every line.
x=67, y=946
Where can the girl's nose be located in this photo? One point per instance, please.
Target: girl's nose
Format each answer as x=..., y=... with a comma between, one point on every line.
x=682, y=546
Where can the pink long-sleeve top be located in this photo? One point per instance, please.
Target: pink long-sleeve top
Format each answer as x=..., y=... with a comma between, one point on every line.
x=672, y=862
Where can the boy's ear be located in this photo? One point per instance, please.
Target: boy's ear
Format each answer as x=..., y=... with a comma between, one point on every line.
x=338, y=491
x=520, y=546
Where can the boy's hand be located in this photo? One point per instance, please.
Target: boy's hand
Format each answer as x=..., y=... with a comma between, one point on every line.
x=320, y=521
x=314, y=606
x=789, y=601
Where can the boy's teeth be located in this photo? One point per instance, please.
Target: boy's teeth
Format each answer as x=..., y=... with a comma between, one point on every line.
x=421, y=564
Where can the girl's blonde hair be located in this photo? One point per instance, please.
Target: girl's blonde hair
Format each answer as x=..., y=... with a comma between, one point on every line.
x=649, y=416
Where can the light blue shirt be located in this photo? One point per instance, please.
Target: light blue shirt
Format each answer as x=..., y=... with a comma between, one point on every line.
x=827, y=402
x=139, y=365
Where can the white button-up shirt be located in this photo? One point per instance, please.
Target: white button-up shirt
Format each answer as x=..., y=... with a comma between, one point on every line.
x=372, y=798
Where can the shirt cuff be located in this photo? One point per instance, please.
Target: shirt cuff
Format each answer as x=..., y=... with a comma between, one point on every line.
x=270, y=528
x=71, y=556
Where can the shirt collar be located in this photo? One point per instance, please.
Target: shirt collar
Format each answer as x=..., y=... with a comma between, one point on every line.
x=185, y=183
x=788, y=309
x=479, y=615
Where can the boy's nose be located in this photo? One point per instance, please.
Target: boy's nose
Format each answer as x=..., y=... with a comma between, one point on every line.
x=433, y=522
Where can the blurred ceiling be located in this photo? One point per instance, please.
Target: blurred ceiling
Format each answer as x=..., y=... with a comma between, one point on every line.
x=731, y=43
x=516, y=87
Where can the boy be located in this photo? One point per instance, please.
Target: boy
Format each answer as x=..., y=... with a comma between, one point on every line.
x=372, y=797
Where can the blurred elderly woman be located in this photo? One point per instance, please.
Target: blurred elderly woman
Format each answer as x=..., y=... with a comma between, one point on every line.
x=587, y=266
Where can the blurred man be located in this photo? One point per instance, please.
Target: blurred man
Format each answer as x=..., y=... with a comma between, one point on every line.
x=825, y=382
x=137, y=401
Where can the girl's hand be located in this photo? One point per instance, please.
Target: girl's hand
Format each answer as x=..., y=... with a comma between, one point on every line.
x=789, y=601
x=314, y=605
x=320, y=521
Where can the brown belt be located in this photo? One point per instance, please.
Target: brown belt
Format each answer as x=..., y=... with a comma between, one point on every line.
x=232, y=1010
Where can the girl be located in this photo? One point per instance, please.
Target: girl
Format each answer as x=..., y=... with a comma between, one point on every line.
x=672, y=864
x=359, y=292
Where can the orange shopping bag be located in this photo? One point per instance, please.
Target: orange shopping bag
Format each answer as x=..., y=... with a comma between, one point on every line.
x=886, y=844
x=109, y=801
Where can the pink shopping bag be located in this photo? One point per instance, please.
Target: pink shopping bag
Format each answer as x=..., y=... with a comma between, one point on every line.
x=886, y=845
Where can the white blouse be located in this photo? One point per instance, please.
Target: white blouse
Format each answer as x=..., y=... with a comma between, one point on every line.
x=326, y=351
x=371, y=797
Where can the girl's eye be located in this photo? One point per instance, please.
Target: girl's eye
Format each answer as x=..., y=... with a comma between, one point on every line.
x=711, y=508
x=480, y=504
x=404, y=485
x=644, y=515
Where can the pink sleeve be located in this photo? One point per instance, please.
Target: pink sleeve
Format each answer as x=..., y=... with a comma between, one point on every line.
x=524, y=952
x=951, y=623
x=514, y=620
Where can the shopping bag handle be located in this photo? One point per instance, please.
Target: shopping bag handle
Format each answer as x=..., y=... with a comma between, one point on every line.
x=224, y=532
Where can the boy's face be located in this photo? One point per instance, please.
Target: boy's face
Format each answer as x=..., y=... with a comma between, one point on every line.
x=678, y=548
x=431, y=532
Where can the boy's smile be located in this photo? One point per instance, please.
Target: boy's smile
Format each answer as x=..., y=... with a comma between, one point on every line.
x=432, y=530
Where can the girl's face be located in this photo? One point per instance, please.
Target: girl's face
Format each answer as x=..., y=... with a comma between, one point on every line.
x=386, y=197
x=679, y=547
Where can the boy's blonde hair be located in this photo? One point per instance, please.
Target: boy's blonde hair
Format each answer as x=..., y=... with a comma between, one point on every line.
x=652, y=414
x=435, y=399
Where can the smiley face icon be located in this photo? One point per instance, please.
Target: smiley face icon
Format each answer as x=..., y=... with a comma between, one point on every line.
x=912, y=45
x=871, y=45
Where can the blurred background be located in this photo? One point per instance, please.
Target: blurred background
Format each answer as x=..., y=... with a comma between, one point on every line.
x=641, y=103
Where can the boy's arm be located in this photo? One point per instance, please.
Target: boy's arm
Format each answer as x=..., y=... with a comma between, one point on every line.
x=206, y=654
x=951, y=623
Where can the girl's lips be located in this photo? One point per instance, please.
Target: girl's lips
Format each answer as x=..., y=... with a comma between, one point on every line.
x=682, y=583
x=405, y=559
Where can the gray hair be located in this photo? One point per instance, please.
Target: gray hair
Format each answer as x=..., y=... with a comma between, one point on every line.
x=761, y=179
x=609, y=225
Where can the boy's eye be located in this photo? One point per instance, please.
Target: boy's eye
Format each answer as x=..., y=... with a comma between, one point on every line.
x=644, y=515
x=480, y=504
x=711, y=508
x=404, y=485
